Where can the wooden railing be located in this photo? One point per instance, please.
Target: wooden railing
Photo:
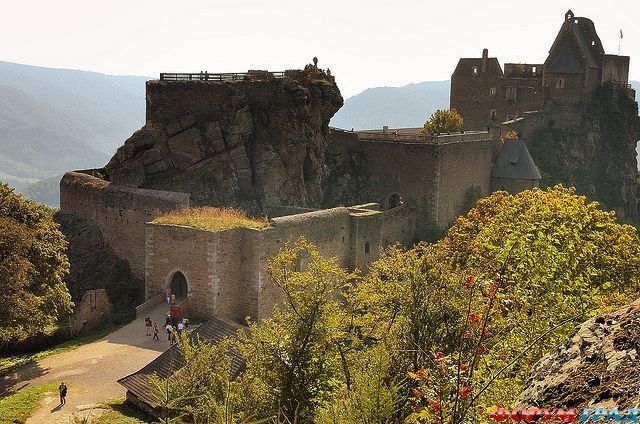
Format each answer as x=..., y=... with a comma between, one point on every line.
x=230, y=76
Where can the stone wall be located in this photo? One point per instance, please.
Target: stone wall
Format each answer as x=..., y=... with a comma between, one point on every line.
x=615, y=68
x=430, y=178
x=120, y=212
x=226, y=270
x=92, y=311
x=463, y=166
x=512, y=186
x=488, y=98
x=213, y=262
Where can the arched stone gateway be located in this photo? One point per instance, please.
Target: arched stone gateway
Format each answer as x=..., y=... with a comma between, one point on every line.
x=178, y=285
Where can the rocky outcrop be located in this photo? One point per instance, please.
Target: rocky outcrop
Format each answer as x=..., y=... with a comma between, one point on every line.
x=593, y=150
x=94, y=265
x=597, y=366
x=252, y=142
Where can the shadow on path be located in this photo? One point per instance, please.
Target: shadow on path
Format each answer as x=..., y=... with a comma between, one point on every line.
x=19, y=379
x=57, y=408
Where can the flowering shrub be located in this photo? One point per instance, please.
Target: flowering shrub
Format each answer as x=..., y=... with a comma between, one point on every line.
x=443, y=390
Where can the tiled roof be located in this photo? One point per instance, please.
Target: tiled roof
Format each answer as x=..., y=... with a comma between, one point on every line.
x=515, y=162
x=171, y=360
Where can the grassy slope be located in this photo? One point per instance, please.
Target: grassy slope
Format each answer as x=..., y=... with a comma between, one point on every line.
x=17, y=407
x=119, y=412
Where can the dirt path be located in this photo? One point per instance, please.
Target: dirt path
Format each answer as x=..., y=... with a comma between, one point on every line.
x=90, y=371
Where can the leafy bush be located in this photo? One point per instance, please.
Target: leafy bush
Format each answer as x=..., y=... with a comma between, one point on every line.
x=33, y=265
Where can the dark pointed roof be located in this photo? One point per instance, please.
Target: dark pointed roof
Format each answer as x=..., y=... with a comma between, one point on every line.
x=171, y=360
x=576, y=45
x=515, y=162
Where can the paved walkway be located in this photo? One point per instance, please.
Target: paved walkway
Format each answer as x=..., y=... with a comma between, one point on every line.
x=90, y=371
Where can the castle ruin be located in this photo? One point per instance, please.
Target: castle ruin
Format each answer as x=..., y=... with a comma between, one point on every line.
x=261, y=142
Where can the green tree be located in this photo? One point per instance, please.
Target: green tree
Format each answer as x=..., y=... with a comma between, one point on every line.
x=33, y=265
x=201, y=388
x=296, y=358
x=443, y=121
x=472, y=313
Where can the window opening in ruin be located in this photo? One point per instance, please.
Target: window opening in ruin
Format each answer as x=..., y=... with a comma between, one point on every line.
x=492, y=115
x=367, y=247
x=395, y=200
x=178, y=285
x=560, y=83
x=593, y=43
x=534, y=69
x=511, y=94
x=492, y=91
x=475, y=70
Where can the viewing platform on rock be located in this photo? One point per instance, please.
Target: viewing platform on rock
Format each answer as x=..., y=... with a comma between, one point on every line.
x=251, y=75
x=412, y=135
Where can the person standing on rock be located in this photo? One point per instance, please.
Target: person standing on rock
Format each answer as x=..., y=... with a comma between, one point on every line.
x=63, y=393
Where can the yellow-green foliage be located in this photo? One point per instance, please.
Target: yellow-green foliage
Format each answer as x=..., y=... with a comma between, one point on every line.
x=510, y=135
x=208, y=218
x=19, y=406
x=443, y=121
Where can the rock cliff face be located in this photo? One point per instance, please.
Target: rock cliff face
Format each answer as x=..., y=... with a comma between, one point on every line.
x=252, y=143
x=594, y=150
x=597, y=366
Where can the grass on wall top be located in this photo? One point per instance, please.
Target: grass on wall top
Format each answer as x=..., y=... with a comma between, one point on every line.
x=209, y=218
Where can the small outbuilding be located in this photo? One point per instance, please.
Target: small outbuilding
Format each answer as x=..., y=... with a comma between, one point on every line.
x=514, y=169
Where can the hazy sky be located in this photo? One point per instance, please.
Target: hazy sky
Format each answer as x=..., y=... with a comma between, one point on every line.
x=365, y=43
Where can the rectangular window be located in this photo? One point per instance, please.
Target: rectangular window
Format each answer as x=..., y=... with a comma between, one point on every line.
x=492, y=115
x=560, y=83
x=511, y=94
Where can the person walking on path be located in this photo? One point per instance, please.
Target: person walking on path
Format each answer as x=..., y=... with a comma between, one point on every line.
x=155, y=332
x=180, y=328
x=169, y=329
x=63, y=393
x=147, y=324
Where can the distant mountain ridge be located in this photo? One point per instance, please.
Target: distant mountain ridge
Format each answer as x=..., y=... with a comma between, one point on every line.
x=53, y=120
x=406, y=106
